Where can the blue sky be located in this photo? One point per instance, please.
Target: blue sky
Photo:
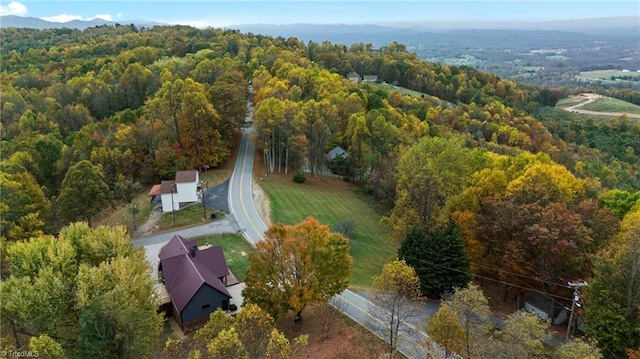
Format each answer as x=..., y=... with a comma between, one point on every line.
x=221, y=13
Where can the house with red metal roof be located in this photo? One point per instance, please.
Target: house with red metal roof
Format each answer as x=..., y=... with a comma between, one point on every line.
x=196, y=280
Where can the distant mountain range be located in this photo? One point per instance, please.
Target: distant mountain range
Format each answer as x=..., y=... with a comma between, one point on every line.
x=477, y=34
x=37, y=23
x=384, y=33
x=588, y=26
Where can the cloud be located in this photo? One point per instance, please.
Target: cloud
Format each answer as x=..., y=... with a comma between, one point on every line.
x=66, y=18
x=13, y=8
x=62, y=18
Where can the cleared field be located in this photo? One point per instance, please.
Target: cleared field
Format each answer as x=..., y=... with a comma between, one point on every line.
x=611, y=105
x=236, y=251
x=402, y=90
x=558, y=57
x=606, y=74
x=569, y=101
x=329, y=201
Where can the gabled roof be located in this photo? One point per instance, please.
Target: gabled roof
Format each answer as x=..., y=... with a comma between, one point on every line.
x=186, y=176
x=155, y=190
x=165, y=187
x=185, y=274
x=353, y=74
x=335, y=152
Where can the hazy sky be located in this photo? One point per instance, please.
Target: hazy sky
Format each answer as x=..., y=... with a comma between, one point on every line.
x=221, y=13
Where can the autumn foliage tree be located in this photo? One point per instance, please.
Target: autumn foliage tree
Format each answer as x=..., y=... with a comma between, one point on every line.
x=251, y=334
x=472, y=310
x=88, y=291
x=430, y=173
x=84, y=192
x=533, y=219
x=395, y=301
x=23, y=205
x=297, y=265
x=445, y=329
x=613, y=307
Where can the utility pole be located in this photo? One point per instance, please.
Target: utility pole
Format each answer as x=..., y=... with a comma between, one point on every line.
x=575, y=303
x=173, y=208
x=202, y=190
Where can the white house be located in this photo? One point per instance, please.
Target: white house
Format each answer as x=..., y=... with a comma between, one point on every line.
x=175, y=194
x=370, y=78
x=353, y=77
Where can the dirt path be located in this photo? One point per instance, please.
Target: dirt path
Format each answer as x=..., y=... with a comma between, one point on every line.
x=590, y=98
x=149, y=226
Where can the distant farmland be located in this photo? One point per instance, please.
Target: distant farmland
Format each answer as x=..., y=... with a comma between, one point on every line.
x=610, y=76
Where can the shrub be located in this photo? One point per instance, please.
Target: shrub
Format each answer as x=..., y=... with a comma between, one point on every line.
x=299, y=177
x=345, y=226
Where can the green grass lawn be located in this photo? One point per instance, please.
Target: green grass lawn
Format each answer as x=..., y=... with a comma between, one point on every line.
x=612, y=105
x=236, y=251
x=188, y=216
x=327, y=203
x=402, y=90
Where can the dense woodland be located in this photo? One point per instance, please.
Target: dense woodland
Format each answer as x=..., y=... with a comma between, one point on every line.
x=541, y=197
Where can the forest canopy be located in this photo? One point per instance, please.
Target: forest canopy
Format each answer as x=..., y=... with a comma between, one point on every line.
x=120, y=104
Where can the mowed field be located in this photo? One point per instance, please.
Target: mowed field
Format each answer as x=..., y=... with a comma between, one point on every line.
x=611, y=105
x=330, y=200
x=606, y=105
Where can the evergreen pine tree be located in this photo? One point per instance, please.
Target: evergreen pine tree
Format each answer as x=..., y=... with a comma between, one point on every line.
x=438, y=258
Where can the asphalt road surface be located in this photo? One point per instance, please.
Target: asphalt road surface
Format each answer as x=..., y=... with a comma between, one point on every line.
x=241, y=202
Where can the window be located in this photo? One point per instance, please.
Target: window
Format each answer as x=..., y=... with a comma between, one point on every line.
x=206, y=307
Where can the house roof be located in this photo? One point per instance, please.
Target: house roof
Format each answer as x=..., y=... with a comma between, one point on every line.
x=186, y=176
x=335, y=152
x=353, y=74
x=165, y=187
x=370, y=77
x=185, y=274
x=155, y=190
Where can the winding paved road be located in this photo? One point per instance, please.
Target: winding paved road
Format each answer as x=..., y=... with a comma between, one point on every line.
x=241, y=203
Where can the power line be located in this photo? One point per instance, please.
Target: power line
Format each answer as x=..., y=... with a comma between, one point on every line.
x=494, y=280
x=501, y=270
x=489, y=267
